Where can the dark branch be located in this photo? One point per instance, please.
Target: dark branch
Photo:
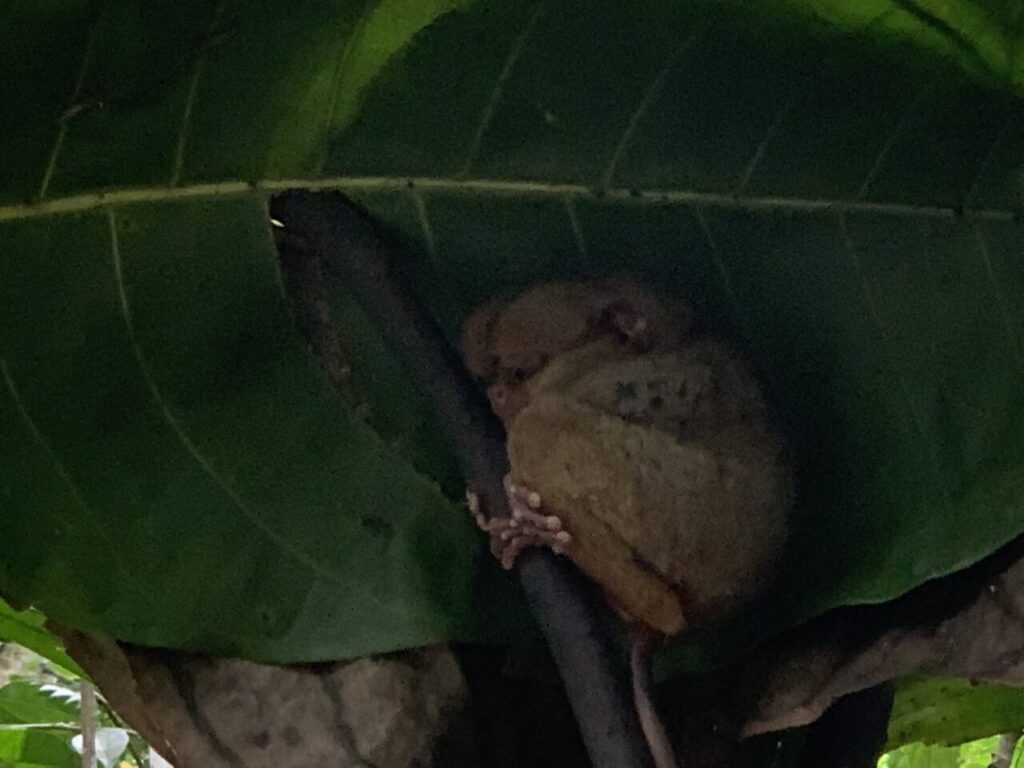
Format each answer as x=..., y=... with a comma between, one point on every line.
x=347, y=239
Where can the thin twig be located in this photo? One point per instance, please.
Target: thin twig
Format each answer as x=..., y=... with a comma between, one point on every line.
x=89, y=718
x=349, y=241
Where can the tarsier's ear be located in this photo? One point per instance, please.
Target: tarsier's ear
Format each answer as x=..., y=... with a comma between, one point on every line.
x=668, y=319
x=477, y=339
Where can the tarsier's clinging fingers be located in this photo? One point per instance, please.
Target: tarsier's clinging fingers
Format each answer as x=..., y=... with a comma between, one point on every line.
x=526, y=527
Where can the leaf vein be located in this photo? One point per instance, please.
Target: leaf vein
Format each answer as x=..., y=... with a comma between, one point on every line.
x=891, y=139
x=62, y=129
x=339, y=71
x=990, y=155
x=762, y=146
x=190, y=98
x=233, y=189
x=887, y=343
x=499, y=86
x=818, y=75
x=423, y=219
x=723, y=271
x=644, y=104
x=574, y=224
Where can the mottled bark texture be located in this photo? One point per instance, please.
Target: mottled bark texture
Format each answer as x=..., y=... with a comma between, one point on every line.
x=383, y=712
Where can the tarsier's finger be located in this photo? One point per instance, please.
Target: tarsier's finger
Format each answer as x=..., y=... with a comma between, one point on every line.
x=526, y=528
x=476, y=510
x=484, y=523
x=524, y=505
x=520, y=493
x=524, y=539
x=498, y=548
x=515, y=546
x=495, y=526
x=544, y=522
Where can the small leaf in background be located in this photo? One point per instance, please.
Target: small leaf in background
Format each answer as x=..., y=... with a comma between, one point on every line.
x=35, y=748
x=23, y=701
x=26, y=628
x=110, y=745
x=60, y=692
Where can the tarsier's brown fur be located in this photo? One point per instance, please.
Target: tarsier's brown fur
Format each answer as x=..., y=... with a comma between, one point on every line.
x=657, y=452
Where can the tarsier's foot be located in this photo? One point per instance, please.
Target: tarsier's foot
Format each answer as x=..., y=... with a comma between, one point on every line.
x=527, y=527
x=629, y=323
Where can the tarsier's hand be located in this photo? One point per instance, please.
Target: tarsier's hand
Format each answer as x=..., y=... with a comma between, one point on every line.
x=528, y=525
x=642, y=452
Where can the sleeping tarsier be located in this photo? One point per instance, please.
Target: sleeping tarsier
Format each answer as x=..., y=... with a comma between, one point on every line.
x=638, y=448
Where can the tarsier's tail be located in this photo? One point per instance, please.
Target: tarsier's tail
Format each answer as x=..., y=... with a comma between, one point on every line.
x=662, y=754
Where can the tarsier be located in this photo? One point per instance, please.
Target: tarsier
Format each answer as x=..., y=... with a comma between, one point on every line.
x=638, y=448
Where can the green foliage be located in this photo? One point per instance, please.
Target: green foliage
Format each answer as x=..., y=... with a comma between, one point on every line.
x=950, y=711
x=839, y=197
x=974, y=754
x=921, y=756
x=23, y=701
x=34, y=749
x=26, y=708
x=26, y=628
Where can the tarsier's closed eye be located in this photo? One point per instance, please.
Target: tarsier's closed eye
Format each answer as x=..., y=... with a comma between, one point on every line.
x=527, y=367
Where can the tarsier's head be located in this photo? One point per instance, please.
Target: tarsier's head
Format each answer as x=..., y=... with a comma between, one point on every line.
x=508, y=342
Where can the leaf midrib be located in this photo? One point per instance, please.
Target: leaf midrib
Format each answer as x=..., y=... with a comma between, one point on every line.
x=481, y=187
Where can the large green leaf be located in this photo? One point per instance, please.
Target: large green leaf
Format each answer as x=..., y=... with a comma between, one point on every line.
x=837, y=192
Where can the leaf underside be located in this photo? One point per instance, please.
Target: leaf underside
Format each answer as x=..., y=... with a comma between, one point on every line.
x=840, y=198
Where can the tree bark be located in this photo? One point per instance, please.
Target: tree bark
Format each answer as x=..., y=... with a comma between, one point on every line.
x=202, y=712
